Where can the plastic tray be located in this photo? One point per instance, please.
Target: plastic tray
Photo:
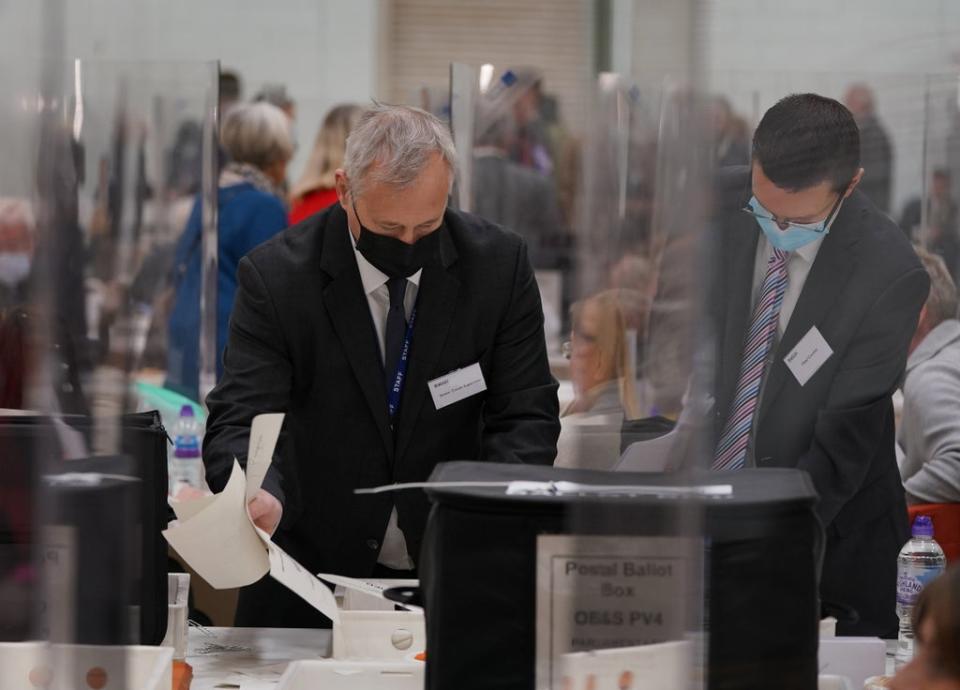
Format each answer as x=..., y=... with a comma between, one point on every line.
x=352, y=675
x=78, y=667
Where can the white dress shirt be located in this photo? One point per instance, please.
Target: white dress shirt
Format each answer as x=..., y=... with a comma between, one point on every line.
x=799, y=264
x=393, y=548
x=798, y=267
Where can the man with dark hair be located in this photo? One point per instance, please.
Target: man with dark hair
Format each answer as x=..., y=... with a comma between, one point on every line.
x=816, y=297
x=231, y=90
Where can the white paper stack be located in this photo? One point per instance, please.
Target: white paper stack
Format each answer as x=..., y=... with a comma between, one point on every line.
x=217, y=538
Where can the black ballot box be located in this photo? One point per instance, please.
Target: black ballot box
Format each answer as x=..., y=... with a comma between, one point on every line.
x=750, y=583
x=98, y=544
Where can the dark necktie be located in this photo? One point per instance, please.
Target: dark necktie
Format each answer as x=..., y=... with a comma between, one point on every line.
x=396, y=330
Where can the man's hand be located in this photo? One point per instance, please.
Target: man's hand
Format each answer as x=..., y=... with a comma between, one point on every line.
x=265, y=511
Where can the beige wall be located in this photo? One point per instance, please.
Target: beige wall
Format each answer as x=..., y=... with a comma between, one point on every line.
x=424, y=36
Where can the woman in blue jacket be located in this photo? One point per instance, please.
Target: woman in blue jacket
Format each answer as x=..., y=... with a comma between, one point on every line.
x=257, y=141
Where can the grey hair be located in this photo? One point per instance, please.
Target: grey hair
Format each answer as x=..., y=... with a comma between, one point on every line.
x=400, y=140
x=257, y=133
x=942, y=300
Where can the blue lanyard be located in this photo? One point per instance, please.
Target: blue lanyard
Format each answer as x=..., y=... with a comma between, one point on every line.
x=393, y=395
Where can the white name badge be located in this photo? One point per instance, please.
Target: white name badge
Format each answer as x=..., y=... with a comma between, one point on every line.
x=457, y=385
x=808, y=356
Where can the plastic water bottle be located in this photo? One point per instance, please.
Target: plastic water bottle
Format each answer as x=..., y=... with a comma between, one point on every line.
x=185, y=463
x=921, y=560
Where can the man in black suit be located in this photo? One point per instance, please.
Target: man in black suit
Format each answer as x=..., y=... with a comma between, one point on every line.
x=816, y=296
x=395, y=334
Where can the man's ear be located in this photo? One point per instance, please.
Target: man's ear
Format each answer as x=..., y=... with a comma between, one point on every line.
x=853, y=183
x=340, y=184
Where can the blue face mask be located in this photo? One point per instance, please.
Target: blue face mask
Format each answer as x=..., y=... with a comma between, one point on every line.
x=795, y=235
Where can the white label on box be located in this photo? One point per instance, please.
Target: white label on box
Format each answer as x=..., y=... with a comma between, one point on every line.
x=600, y=592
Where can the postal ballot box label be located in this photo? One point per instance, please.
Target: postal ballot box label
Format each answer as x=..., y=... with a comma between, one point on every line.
x=601, y=592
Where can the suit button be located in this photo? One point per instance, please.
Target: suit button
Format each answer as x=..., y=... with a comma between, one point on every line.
x=373, y=544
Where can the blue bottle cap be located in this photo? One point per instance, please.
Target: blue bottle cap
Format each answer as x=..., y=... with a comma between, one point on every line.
x=923, y=526
x=186, y=411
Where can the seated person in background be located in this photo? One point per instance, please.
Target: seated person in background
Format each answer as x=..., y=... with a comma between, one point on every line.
x=731, y=135
x=17, y=227
x=936, y=623
x=340, y=322
x=16, y=250
x=939, y=234
x=928, y=443
x=257, y=139
x=604, y=382
x=316, y=188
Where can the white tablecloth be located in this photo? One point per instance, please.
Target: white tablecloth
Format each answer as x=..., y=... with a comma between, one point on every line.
x=255, y=658
x=249, y=658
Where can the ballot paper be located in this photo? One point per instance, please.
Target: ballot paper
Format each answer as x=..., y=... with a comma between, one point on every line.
x=373, y=588
x=665, y=666
x=217, y=538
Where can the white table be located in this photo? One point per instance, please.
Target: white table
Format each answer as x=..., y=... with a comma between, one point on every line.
x=249, y=658
x=255, y=658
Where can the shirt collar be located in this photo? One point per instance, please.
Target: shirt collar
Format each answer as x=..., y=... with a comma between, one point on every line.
x=808, y=252
x=371, y=276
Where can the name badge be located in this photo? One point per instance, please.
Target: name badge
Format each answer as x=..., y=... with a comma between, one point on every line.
x=808, y=356
x=457, y=385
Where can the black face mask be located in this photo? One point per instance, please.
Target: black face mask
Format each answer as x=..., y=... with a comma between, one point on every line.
x=394, y=258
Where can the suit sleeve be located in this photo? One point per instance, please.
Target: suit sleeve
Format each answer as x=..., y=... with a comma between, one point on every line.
x=931, y=400
x=256, y=379
x=850, y=429
x=521, y=414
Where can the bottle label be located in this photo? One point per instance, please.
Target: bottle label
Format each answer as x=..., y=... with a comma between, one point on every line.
x=911, y=580
x=186, y=447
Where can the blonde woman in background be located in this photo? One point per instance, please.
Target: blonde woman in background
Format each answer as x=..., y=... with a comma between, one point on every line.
x=314, y=191
x=604, y=382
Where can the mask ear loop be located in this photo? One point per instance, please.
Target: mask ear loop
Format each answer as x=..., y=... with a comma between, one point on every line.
x=353, y=205
x=836, y=210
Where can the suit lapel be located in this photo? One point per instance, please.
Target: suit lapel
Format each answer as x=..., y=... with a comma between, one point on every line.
x=349, y=312
x=436, y=303
x=826, y=280
x=740, y=256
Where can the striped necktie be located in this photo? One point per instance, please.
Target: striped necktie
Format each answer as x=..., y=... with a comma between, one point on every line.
x=731, y=453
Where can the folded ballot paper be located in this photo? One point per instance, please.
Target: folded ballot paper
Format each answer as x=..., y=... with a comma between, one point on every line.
x=217, y=538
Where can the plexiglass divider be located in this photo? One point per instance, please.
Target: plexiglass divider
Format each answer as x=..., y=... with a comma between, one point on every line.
x=105, y=162
x=616, y=602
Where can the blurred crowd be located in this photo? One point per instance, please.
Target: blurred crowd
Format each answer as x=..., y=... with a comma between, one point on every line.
x=617, y=273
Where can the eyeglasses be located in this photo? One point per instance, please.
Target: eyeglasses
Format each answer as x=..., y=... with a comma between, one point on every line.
x=582, y=339
x=820, y=226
